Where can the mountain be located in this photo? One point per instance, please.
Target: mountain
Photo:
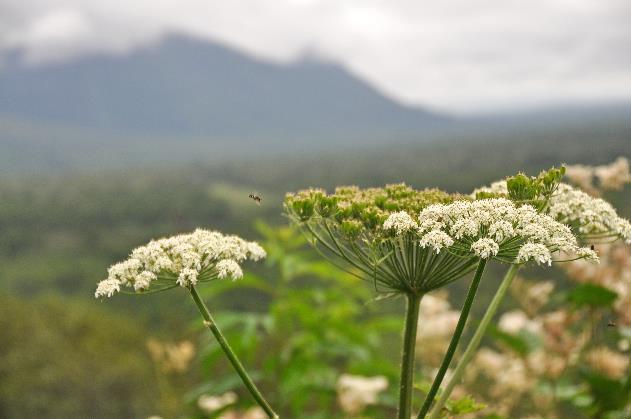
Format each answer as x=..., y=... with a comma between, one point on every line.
x=189, y=87
x=183, y=100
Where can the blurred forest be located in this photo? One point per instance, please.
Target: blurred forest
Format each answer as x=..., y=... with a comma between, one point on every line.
x=297, y=319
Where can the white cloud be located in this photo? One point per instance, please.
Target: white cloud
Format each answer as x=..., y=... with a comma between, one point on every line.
x=458, y=54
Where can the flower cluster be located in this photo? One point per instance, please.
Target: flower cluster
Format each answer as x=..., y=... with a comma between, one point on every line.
x=372, y=232
x=490, y=228
x=358, y=211
x=356, y=392
x=211, y=404
x=611, y=176
x=171, y=357
x=591, y=219
x=436, y=323
x=543, y=343
x=181, y=260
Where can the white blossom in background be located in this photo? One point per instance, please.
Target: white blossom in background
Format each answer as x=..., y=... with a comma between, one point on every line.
x=534, y=295
x=582, y=176
x=355, y=392
x=251, y=413
x=615, y=175
x=509, y=377
x=436, y=318
x=611, y=176
x=515, y=321
x=209, y=404
x=171, y=357
x=436, y=323
x=608, y=362
x=181, y=260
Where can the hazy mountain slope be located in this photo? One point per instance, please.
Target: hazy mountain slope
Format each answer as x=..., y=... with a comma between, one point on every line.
x=185, y=86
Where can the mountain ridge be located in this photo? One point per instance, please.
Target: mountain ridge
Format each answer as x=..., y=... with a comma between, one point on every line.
x=195, y=87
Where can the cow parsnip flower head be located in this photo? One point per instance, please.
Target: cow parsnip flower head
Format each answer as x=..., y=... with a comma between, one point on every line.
x=182, y=260
x=416, y=241
x=592, y=220
x=371, y=232
x=494, y=228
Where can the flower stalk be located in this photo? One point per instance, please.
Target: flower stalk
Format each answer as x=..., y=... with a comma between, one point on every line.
x=407, y=356
x=455, y=339
x=209, y=322
x=474, y=343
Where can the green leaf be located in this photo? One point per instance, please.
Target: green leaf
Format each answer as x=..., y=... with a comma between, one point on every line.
x=463, y=405
x=608, y=394
x=515, y=342
x=592, y=295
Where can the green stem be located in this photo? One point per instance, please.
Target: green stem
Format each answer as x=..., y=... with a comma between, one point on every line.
x=451, y=350
x=249, y=384
x=407, y=356
x=475, y=340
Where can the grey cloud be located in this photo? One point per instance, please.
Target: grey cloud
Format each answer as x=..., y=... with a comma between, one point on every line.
x=457, y=54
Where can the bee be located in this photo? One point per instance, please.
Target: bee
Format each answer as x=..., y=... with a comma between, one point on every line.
x=592, y=247
x=611, y=323
x=256, y=198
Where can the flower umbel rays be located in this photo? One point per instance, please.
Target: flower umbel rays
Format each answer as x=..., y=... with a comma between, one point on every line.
x=416, y=241
x=182, y=260
x=374, y=234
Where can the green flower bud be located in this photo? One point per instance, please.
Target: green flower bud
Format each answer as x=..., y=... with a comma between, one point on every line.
x=303, y=208
x=327, y=206
x=351, y=228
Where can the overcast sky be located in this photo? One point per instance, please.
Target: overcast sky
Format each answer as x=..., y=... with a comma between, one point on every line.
x=459, y=55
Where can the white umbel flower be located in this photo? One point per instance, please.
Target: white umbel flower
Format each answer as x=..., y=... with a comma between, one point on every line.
x=228, y=268
x=496, y=227
x=534, y=251
x=182, y=260
x=485, y=248
x=501, y=230
x=187, y=277
x=400, y=223
x=590, y=218
x=143, y=280
x=107, y=288
x=437, y=240
x=587, y=254
x=256, y=251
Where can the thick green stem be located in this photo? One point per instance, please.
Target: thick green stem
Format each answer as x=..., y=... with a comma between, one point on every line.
x=249, y=384
x=407, y=356
x=451, y=350
x=473, y=345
